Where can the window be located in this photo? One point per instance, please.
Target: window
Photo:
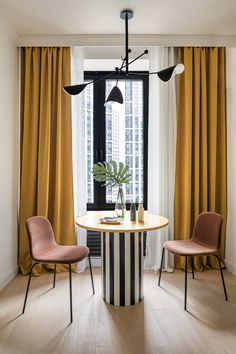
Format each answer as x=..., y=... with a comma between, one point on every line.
x=88, y=113
x=116, y=132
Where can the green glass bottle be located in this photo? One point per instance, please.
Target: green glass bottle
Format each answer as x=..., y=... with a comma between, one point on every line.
x=132, y=212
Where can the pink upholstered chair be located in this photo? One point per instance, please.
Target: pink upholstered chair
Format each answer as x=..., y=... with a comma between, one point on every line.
x=44, y=249
x=205, y=241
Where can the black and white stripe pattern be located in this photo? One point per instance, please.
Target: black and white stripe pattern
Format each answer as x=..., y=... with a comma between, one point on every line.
x=122, y=267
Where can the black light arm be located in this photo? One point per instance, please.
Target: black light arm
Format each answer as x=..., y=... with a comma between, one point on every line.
x=126, y=44
x=76, y=89
x=145, y=52
x=124, y=65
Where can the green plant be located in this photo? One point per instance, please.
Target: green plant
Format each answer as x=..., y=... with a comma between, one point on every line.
x=112, y=172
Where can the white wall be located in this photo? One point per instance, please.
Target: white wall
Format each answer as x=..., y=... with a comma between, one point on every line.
x=230, y=256
x=8, y=152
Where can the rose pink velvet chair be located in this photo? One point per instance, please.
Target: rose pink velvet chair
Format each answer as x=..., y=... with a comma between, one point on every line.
x=205, y=241
x=44, y=249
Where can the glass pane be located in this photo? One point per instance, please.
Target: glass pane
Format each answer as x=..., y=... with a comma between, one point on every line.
x=88, y=117
x=124, y=136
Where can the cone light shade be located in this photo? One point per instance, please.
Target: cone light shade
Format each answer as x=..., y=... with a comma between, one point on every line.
x=115, y=96
x=166, y=74
x=179, y=69
x=74, y=89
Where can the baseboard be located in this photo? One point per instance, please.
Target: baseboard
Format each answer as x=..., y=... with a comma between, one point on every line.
x=6, y=280
x=231, y=268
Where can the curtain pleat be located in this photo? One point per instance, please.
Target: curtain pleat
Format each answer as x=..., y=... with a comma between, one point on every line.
x=161, y=155
x=46, y=185
x=200, y=183
x=78, y=147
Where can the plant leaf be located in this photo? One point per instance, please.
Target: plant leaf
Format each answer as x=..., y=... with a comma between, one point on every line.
x=114, y=165
x=121, y=166
x=112, y=172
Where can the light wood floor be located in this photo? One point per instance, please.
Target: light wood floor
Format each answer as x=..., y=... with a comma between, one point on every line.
x=158, y=324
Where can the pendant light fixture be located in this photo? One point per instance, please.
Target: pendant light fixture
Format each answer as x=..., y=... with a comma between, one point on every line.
x=115, y=95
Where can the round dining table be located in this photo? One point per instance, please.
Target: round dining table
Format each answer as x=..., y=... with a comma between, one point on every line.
x=122, y=254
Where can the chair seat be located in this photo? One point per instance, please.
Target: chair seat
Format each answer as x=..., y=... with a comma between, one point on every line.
x=188, y=248
x=62, y=254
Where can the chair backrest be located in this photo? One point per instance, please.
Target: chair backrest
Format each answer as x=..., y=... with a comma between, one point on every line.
x=207, y=229
x=41, y=236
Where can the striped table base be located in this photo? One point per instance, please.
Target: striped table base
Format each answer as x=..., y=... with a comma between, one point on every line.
x=122, y=267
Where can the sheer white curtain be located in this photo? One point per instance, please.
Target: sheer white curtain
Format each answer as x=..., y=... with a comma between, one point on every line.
x=161, y=155
x=78, y=144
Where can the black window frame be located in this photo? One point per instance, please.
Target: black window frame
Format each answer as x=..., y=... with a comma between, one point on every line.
x=99, y=145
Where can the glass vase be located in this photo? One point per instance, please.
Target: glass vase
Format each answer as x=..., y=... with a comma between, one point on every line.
x=120, y=206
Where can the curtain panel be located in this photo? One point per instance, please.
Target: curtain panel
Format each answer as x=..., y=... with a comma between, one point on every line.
x=78, y=148
x=200, y=183
x=161, y=155
x=46, y=184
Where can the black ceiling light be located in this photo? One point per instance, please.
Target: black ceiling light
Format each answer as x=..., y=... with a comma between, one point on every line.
x=75, y=89
x=115, y=95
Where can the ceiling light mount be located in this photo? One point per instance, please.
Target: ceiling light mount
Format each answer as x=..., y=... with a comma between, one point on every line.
x=126, y=13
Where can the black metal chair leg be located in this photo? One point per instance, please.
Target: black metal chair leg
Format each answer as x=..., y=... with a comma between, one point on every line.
x=162, y=257
x=222, y=278
x=27, y=289
x=70, y=282
x=54, y=277
x=185, y=289
x=192, y=261
x=91, y=274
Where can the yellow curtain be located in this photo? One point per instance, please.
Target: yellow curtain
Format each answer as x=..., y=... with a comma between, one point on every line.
x=46, y=146
x=200, y=182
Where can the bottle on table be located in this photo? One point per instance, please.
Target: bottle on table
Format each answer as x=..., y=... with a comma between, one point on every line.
x=140, y=213
x=132, y=212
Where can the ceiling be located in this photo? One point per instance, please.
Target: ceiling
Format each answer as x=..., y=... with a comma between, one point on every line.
x=200, y=17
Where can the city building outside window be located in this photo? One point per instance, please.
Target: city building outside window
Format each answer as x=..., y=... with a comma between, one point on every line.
x=116, y=132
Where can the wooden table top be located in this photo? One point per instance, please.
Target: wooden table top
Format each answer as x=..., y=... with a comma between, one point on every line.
x=90, y=221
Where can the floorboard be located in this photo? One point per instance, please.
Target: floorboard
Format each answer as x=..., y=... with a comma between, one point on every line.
x=158, y=324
